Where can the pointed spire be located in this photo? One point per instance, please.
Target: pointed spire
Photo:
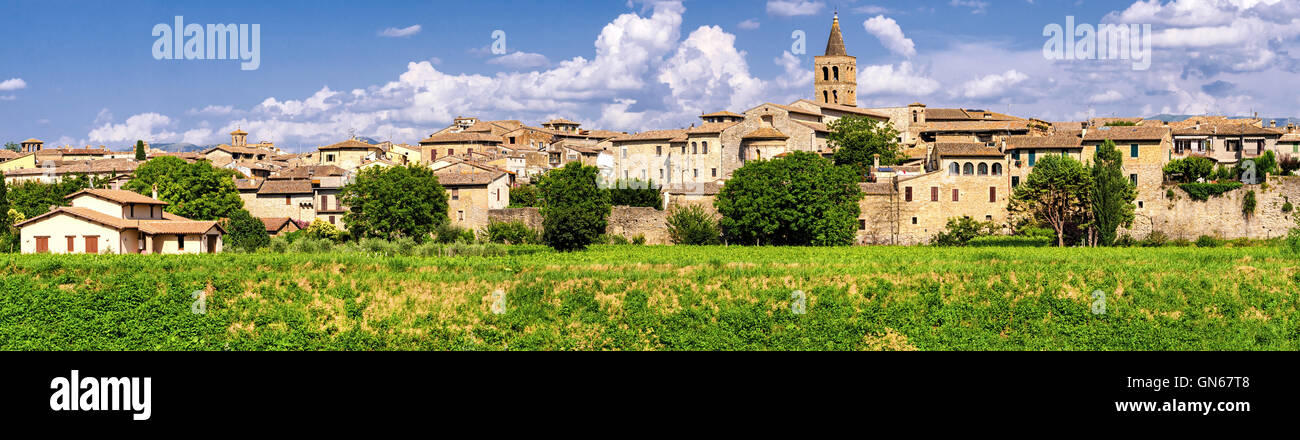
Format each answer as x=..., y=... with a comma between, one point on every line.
x=835, y=45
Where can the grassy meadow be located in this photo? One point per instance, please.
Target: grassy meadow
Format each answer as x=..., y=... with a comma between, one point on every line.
x=659, y=298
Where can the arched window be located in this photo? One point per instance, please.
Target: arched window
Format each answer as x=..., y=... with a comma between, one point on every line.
x=826, y=73
x=836, y=94
x=826, y=96
x=954, y=169
x=836, y=69
x=704, y=147
x=914, y=114
x=984, y=169
x=997, y=169
x=968, y=169
x=695, y=148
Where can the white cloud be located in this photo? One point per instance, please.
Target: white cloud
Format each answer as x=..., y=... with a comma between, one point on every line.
x=890, y=35
x=992, y=85
x=976, y=6
x=149, y=127
x=8, y=97
x=1105, y=98
x=871, y=9
x=13, y=84
x=215, y=110
x=792, y=8
x=748, y=25
x=400, y=32
x=708, y=74
x=319, y=102
x=521, y=60
x=904, y=80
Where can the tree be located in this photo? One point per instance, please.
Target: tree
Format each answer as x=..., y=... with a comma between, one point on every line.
x=1112, y=193
x=4, y=196
x=524, y=196
x=858, y=141
x=245, y=232
x=692, y=225
x=139, y=151
x=13, y=147
x=394, y=202
x=636, y=193
x=799, y=200
x=323, y=230
x=194, y=190
x=961, y=230
x=574, y=209
x=1189, y=170
x=1056, y=192
x=35, y=198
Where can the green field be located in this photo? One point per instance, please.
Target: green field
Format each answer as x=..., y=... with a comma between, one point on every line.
x=660, y=298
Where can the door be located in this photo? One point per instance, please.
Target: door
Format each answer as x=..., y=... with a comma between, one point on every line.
x=212, y=244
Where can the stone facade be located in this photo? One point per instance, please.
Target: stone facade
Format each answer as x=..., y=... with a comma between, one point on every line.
x=626, y=221
x=919, y=207
x=1221, y=217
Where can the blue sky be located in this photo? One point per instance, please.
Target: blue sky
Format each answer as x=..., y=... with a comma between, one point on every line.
x=82, y=72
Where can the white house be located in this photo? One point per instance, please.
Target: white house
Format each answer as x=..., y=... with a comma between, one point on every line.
x=117, y=222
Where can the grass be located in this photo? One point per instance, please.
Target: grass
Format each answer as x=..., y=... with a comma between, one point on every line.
x=660, y=298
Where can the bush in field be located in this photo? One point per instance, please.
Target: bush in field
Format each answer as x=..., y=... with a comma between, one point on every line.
x=1206, y=241
x=1293, y=241
x=392, y=202
x=246, y=233
x=801, y=199
x=636, y=193
x=448, y=233
x=574, y=209
x=1155, y=239
x=513, y=232
x=322, y=230
x=1009, y=241
x=693, y=225
x=961, y=230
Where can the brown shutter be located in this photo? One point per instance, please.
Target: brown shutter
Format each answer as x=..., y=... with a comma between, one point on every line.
x=955, y=195
x=934, y=194
x=92, y=244
x=993, y=194
x=42, y=244
x=908, y=196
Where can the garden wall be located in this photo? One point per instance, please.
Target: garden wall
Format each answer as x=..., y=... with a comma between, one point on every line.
x=1222, y=217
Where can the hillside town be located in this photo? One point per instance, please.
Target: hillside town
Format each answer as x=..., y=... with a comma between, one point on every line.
x=958, y=162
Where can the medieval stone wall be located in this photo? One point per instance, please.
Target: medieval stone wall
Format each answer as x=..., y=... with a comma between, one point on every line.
x=1221, y=217
x=626, y=221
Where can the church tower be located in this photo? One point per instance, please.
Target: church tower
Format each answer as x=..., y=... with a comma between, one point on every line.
x=835, y=75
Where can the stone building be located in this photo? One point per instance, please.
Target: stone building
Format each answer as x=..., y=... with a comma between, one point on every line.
x=349, y=154
x=472, y=191
x=1224, y=142
x=835, y=77
x=1146, y=150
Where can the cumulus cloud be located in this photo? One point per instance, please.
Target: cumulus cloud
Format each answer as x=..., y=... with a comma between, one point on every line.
x=708, y=74
x=792, y=8
x=13, y=84
x=393, y=32
x=904, y=80
x=748, y=25
x=1108, y=96
x=890, y=35
x=145, y=126
x=521, y=60
x=992, y=85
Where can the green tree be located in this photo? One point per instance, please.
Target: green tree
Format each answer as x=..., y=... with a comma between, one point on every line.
x=1112, y=193
x=395, y=202
x=524, y=196
x=636, y=193
x=692, y=225
x=35, y=198
x=574, y=209
x=1190, y=169
x=195, y=190
x=858, y=141
x=1056, y=193
x=139, y=151
x=13, y=147
x=799, y=200
x=245, y=232
x=4, y=196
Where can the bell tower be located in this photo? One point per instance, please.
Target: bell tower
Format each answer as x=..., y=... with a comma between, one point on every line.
x=835, y=75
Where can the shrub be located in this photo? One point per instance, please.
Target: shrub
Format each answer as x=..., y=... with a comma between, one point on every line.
x=636, y=193
x=639, y=240
x=1248, y=204
x=1293, y=241
x=512, y=232
x=574, y=209
x=1125, y=240
x=524, y=196
x=245, y=233
x=800, y=199
x=391, y=202
x=1155, y=239
x=960, y=231
x=448, y=233
x=323, y=230
x=1206, y=241
x=1287, y=207
x=692, y=225
x=1189, y=170
x=1289, y=164
x=1203, y=191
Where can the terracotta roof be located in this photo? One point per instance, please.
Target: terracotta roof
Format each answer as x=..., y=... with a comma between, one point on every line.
x=876, y=188
x=177, y=227
x=1216, y=129
x=602, y=134
x=847, y=109
x=711, y=127
x=247, y=184
x=1290, y=137
x=85, y=213
x=1053, y=141
x=974, y=126
x=468, y=179
x=9, y=154
x=33, y=141
x=723, y=114
x=765, y=133
x=84, y=151
x=560, y=121
x=169, y=216
x=450, y=138
x=792, y=109
x=117, y=195
x=285, y=187
x=351, y=144
x=237, y=131
x=276, y=224
x=706, y=188
x=652, y=135
x=309, y=171
x=1138, y=133
x=965, y=150
x=816, y=126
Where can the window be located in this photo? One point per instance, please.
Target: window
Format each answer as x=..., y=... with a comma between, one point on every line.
x=993, y=194
x=451, y=152
x=1134, y=179
x=455, y=193
x=968, y=169
x=836, y=95
x=661, y=174
x=469, y=151
x=72, y=243
x=1015, y=181
x=329, y=157
x=862, y=225
x=697, y=173
x=704, y=147
x=1015, y=154
x=997, y=169
x=331, y=219
x=625, y=153
x=512, y=139
x=180, y=242
x=288, y=199
x=715, y=172
x=1033, y=159
x=695, y=148
x=836, y=70
x=324, y=201
x=914, y=220
x=934, y=194
x=1133, y=150
x=42, y=244
x=659, y=151
x=914, y=116
x=954, y=169
x=826, y=74
x=460, y=216
x=907, y=196
x=132, y=210
x=984, y=169
x=956, y=195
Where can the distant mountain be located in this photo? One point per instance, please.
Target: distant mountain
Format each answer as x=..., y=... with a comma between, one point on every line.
x=368, y=140
x=181, y=147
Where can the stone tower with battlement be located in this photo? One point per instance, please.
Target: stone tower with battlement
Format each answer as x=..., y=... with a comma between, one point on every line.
x=835, y=75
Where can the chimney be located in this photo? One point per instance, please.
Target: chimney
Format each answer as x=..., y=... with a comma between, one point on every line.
x=155, y=191
x=875, y=162
x=1273, y=123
